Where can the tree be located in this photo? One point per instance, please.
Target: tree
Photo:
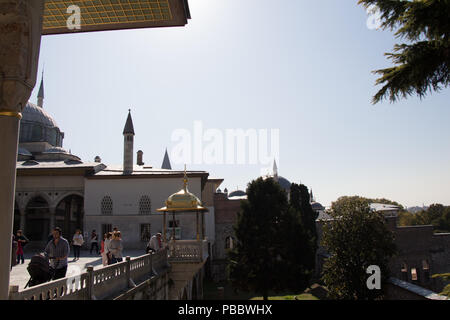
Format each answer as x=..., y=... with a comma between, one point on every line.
x=302, y=237
x=271, y=243
x=423, y=64
x=356, y=238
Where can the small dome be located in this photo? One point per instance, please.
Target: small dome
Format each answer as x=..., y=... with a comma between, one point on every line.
x=317, y=206
x=237, y=193
x=183, y=200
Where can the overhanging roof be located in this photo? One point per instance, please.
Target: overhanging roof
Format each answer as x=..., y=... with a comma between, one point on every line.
x=101, y=15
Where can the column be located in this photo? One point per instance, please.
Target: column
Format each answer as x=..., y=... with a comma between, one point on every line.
x=23, y=218
x=53, y=219
x=20, y=37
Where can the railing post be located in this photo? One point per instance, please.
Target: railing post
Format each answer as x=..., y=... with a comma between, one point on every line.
x=13, y=291
x=130, y=281
x=90, y=282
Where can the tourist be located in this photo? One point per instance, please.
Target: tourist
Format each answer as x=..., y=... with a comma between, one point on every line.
x=155, y=243
x=77, y=242
x=94, y=242
x=115, y=247
x=21, y=242
x=58, y=250
x=105, y=248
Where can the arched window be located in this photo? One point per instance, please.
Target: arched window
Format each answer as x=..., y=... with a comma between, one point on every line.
x=106, y=206
x=404, y=270
x=229, y=243
x=426, y=269
x=145, y=205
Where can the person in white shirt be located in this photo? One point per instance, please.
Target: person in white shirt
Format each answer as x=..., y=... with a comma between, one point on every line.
x=155, y=243
x=105, y=250
x=77, y=242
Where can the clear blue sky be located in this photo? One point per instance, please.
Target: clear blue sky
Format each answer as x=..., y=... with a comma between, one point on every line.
x=303, y=67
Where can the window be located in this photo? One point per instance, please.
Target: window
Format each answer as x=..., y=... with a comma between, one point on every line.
x=106, y=206
x=426, y=270
x=229, y=243
x=106, y=228
x=145, y=205
x=404, y=271
x=145, y=232
x=414, y=274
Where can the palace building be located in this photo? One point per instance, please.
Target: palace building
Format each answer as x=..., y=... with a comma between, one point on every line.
x=57, y=188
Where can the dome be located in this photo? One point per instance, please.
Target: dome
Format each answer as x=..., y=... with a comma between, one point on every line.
x=237, y=193
x=38, y=126
x=316, y=206
x=183, y=200
x=33, y=113
x=284, y=183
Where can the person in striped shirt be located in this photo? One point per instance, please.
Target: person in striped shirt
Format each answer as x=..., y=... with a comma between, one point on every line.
x=58, y=250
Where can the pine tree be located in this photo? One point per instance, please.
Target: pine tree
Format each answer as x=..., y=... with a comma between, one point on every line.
x=274, y=251
x=422, y=64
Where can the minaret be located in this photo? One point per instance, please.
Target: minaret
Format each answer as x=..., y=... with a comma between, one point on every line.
x=128, y=139
x=166, y=162
x=275, y=170
x=40, y=97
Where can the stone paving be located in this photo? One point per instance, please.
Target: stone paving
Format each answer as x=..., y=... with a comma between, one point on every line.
x=20, y=276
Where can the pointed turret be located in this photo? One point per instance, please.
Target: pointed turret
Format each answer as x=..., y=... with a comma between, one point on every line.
x=129, y=129
x=40, y=97
x=128, y=140
x=166, y=162
x=275, y=170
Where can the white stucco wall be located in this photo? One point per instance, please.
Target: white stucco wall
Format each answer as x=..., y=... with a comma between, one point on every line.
x=125, y=194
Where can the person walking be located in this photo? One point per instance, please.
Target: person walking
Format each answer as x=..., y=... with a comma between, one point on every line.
x=116, y=248
x=21, y=242
x=77, y=242
x=105, y=248
x=58, y=250
x=94, y=242
x=155, y=243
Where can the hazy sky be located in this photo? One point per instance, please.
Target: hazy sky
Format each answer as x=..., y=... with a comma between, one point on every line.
x=303, y=67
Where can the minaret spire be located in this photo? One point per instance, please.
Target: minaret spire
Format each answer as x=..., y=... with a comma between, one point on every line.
x=128, y=141
x=275, y=169
x=166, y=162
x=40, y=97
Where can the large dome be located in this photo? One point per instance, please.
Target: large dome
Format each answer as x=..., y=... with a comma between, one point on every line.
x=35, y=114
x=38, y=126
x=284, y=183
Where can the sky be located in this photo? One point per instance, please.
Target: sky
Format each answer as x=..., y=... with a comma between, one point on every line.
x=300, y=67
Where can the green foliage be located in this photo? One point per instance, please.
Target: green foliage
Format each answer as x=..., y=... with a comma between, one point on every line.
x=355, y=239
x=273, y=252
x=436, y=215
x=345, y=200
x=423, y=64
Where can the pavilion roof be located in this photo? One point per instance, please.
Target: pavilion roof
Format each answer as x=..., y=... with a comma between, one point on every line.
x=101, y=15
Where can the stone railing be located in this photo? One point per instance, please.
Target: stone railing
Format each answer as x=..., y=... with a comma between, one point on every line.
x=188, y=250
x=103, y=283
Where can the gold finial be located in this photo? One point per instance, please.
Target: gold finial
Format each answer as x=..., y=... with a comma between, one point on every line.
x=185, y=179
